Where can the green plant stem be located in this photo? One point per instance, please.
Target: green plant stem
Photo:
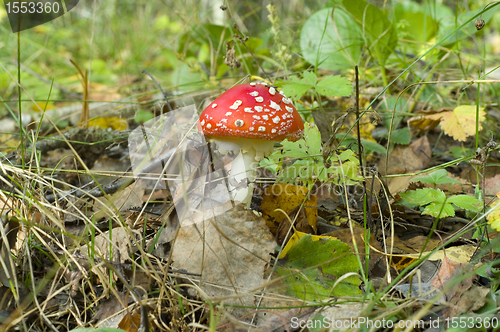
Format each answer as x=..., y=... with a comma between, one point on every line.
x=384, y=76
x=19, y=97
x=477, y=111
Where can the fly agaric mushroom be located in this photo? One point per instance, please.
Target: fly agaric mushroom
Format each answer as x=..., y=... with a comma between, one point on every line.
x=249, y=118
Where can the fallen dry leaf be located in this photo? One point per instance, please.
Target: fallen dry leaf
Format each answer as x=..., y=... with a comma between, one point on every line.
x=461, y=122
x=422, y=148
x=230, y=252
x=446, y=272
x=464, y=297
x=130, y=322
x=301, y=224
x=419, y=125
x=288, y=197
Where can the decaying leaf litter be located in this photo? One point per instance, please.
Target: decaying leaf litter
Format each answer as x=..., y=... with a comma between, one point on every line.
x=389, y=199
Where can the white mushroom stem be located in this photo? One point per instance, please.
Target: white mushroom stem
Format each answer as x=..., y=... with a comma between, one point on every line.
x=244, y=167
x=243, y=173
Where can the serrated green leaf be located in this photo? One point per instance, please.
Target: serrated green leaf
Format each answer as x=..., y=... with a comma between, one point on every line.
x=295, y=88
x=331, y=44
x=424, y=196
x=308, y=77
x=334, y=86
x=333, y=260
x=348, y=155
x=466, y=202
x=434, y=208
x=312, y=137
x=381, y=37
x=269, y=164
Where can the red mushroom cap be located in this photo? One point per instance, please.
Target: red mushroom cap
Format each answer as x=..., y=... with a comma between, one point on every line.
x=254, y=111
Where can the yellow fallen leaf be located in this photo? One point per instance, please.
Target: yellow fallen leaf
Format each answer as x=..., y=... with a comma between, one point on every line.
x=421, y=124
x=115, y=123
x=494, y=217
x=461, y=122
x=296, y=237
x=41, y=105
x=459, y=254
x=287, y=197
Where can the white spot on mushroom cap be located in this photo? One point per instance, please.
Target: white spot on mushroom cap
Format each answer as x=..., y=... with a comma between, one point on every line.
x=239, y=123
x=289, y=109
x=223, y=120
x=273, y=131
x=229, y=113
x=266, y=110
x=286, y=100
x=248, y=110
x=256, y=117
x=262, y=129
x=272, y=90
x=276, y=119
x=265, y=117
x=202, y=122
x=253, y=84
x=259, y=99
x=236, y=104
x=254, y=93
x=219, y=124
x=258, y=108
x=214, y=105
x=275, y=106
x=209, y=126
x=251, y=128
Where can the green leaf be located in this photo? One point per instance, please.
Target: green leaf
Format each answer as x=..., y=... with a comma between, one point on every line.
x=333, y=45
x=295, y=87
x=434, y=208
x=466, y=202
x=413, y=23
x=424, y=196
x=143, y=116
x=381, y=37
x=400, y=136
x=448, y=26
x=369, y=146
x=389, y=105
x=334, y=86
x=312, y=137
x=333, y=259
x=437, y=177
x=459, y=152
x=269, y=164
